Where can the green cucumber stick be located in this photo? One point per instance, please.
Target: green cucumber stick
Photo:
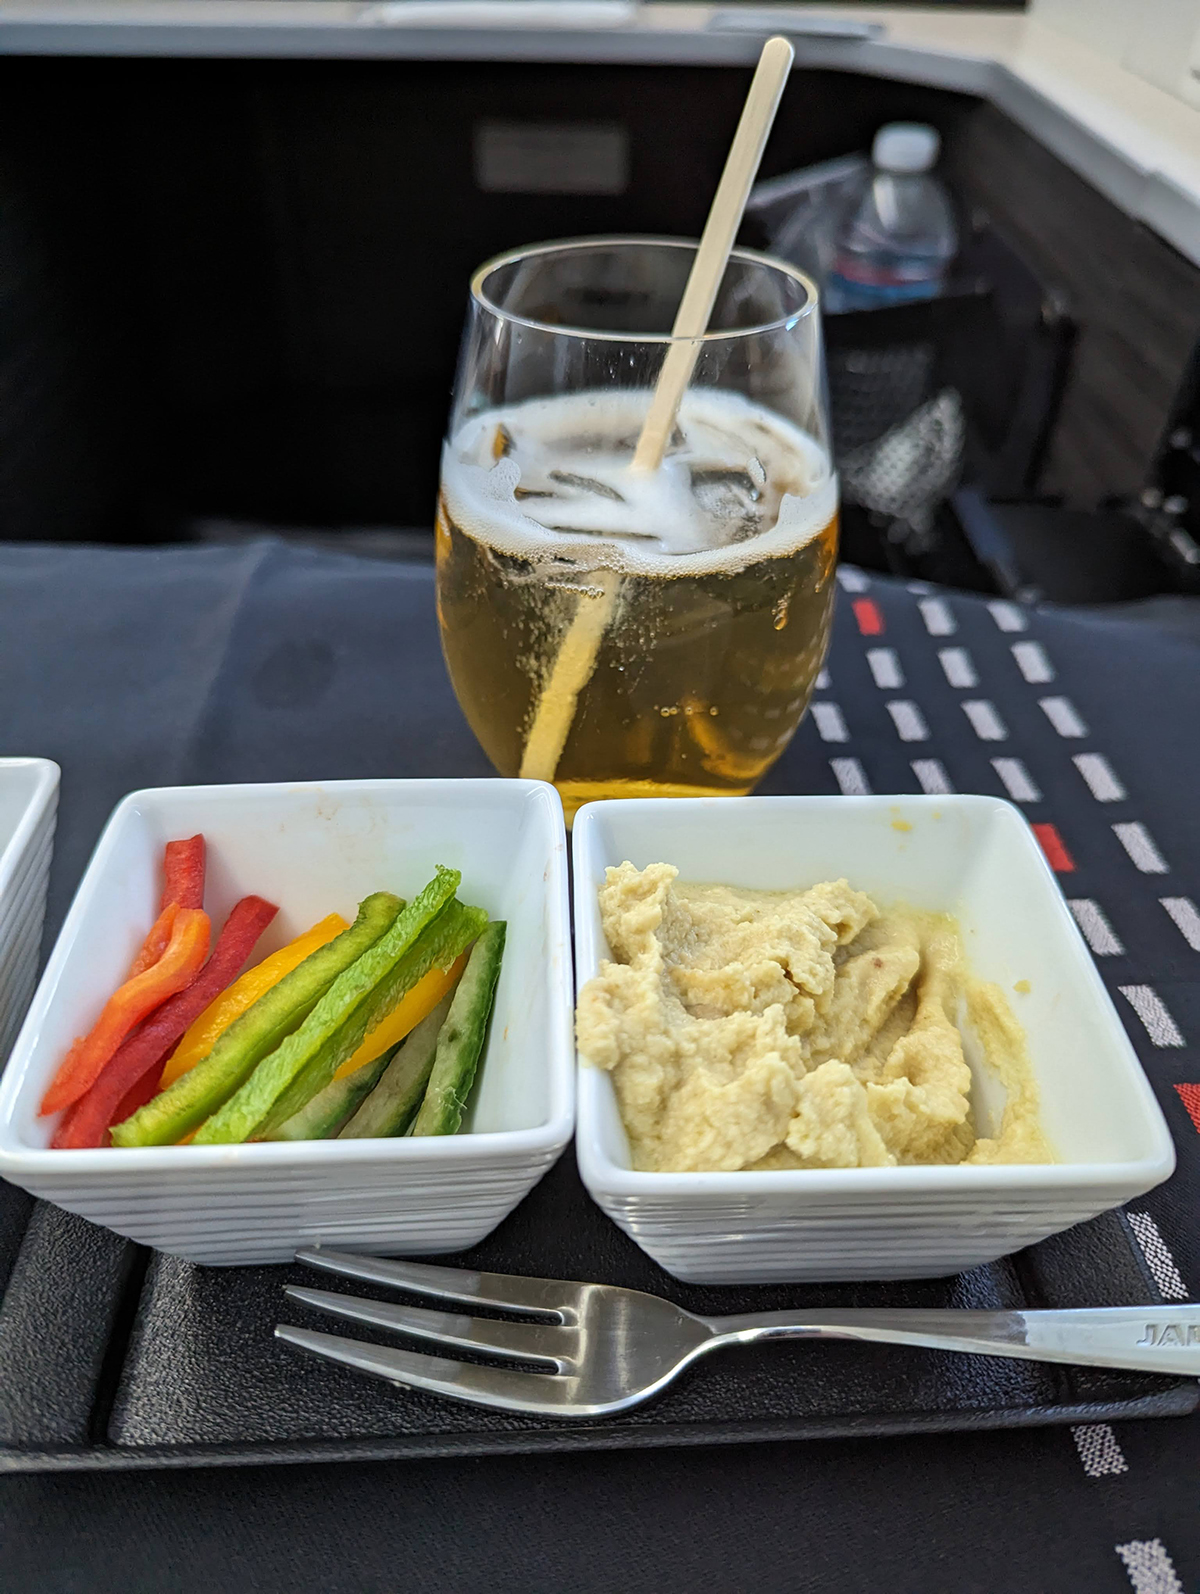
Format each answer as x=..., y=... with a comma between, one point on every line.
x=460, y=1043
x=437, y=947
x=340, y=1100
x=392, y=1105
x=176, y=1111
x=335, y=1027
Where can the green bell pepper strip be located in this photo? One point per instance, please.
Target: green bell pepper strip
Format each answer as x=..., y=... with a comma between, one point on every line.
x=430, y=933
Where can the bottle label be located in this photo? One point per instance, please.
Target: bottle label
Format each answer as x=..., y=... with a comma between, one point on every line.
x=859, y=284
x=896, y=273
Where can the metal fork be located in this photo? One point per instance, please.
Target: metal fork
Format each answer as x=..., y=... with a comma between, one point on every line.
x=594, y=1349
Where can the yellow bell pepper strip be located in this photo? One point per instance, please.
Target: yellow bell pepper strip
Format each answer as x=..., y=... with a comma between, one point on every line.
x=243, y=993
x=418, y=1004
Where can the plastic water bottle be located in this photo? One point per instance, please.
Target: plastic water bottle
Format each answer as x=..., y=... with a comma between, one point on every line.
x=897, y=242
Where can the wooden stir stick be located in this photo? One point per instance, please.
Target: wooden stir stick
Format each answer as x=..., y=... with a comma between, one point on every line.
x=708, y=268
x=555, y=712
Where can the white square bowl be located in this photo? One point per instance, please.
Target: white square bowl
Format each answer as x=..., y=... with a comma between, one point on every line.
x=28, y=807
x=313, y=849
x=974, y=857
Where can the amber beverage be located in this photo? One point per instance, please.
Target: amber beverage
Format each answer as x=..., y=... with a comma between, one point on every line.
x=697, y=598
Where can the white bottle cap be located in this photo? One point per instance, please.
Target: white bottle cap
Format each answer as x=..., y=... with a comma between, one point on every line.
x=905, y=147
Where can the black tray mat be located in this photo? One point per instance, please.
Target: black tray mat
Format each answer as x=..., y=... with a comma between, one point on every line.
x=110, y=1357
x=189, y=1372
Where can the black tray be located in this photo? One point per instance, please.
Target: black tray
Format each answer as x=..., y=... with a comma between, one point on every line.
x=114, y=1357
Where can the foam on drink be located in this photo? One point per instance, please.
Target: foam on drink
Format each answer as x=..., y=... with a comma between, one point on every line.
x=551, y=478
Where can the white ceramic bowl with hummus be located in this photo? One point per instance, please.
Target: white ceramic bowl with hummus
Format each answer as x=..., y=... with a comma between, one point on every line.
x=1074, y=1091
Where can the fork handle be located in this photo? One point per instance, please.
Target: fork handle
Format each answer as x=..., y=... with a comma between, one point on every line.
x=1156, y=1339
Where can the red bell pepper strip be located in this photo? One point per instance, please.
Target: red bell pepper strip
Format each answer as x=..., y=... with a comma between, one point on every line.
x=146, y=1087
x=86, y=1122
x=128, y=1005
x=183, y=876
x=183, y=873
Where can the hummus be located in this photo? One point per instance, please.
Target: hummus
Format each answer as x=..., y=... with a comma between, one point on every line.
x=795, y=1029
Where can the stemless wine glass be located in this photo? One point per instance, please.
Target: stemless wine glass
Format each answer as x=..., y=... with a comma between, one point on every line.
x=622, y=633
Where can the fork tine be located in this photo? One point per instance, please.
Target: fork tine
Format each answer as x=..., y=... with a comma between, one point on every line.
x=541, y=1394
x=543, y=1343
x=503, y=1291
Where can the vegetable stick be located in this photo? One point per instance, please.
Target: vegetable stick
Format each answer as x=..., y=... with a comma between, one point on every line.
x=86, y=1123
x=129, y=1005
x=183, y=870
